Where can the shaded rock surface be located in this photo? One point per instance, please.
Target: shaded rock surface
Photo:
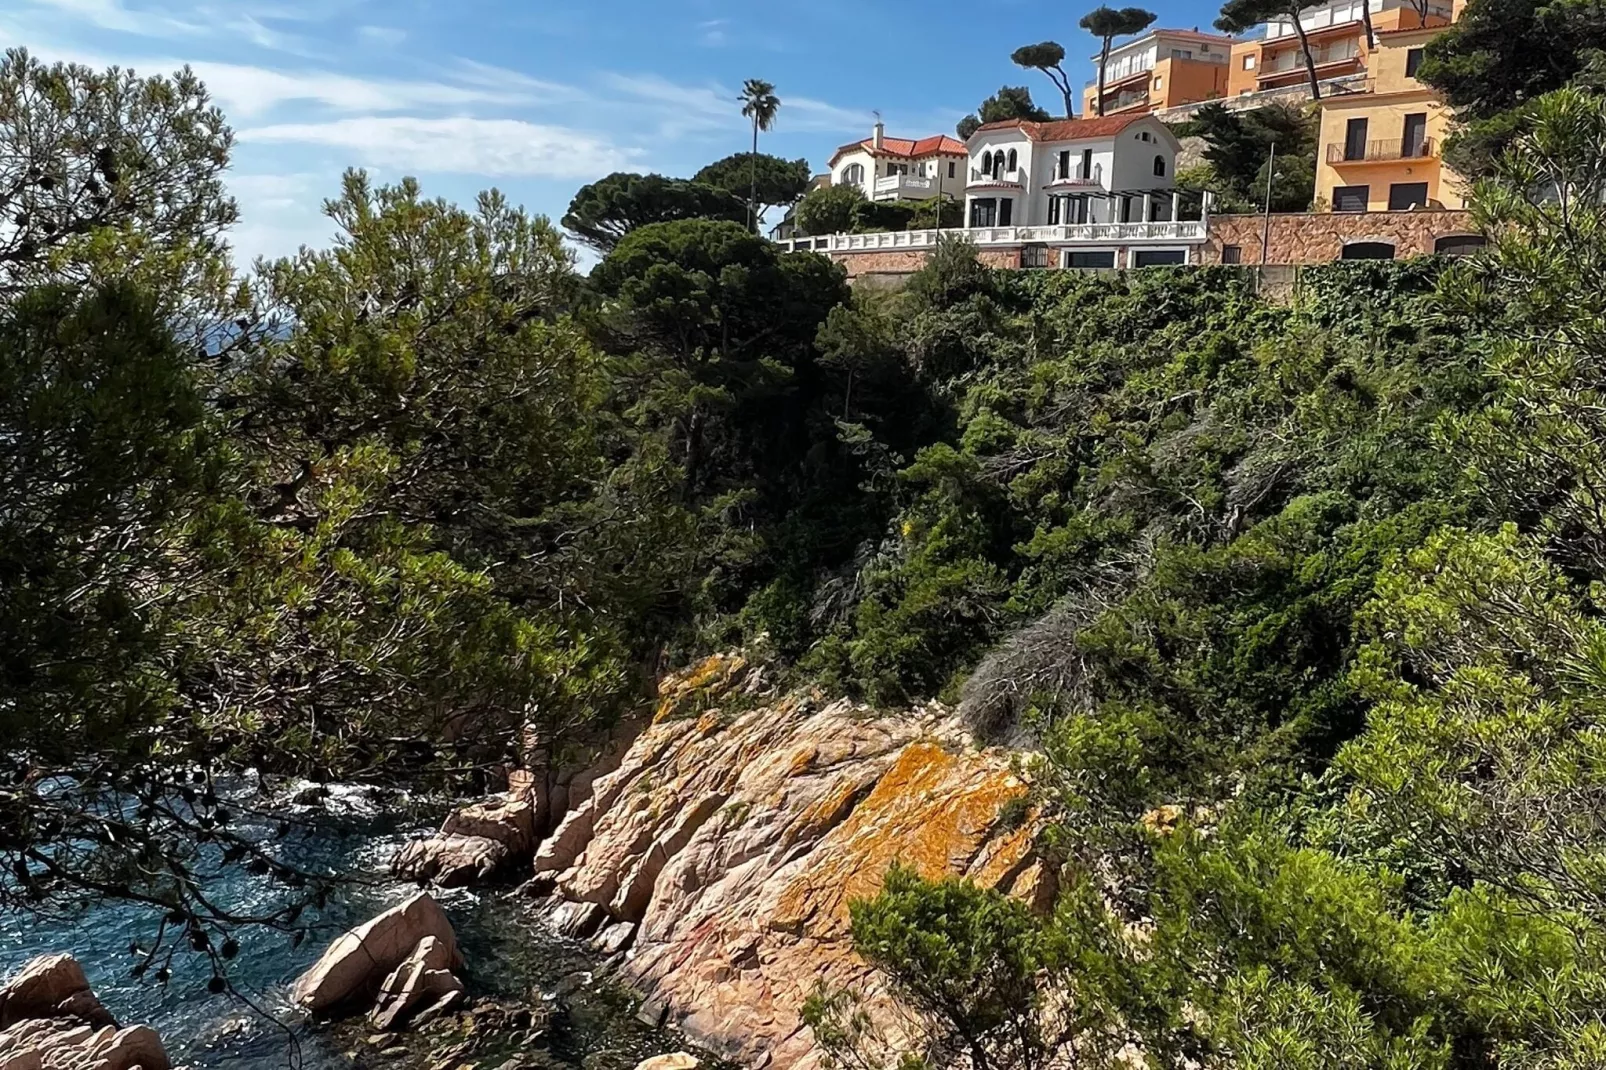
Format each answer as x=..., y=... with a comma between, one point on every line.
x=51, y=1020
x=734, y=842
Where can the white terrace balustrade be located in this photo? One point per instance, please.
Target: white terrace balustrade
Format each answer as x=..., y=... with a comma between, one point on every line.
x=1184, y=231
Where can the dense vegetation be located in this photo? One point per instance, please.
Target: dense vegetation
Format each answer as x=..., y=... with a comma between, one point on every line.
x=1297, y=603
x=1304, y=605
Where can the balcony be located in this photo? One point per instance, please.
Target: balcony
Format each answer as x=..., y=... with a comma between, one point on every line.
x=1293, y=60
x=905, y=188
x=980, y=179
x=1389, y=151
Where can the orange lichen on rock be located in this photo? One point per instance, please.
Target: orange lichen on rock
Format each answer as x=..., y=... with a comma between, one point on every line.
x=932, y=811
x=737, y=843
x=702, y=682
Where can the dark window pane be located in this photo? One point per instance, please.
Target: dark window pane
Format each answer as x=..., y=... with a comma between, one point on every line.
x=1355, y=139
x=1413, y=62
x=1351, y=198
x=1405, y=195
x=1232, y=254
x=1159, y=257
x=1367, y=250
x=1101, y=258
x=1459, y=245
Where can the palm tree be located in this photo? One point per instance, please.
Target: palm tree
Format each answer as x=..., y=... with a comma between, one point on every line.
x=1106, y=23
x=759, y=103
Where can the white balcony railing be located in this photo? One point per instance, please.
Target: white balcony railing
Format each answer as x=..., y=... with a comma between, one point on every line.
x=911, y=186
x=1174, y=231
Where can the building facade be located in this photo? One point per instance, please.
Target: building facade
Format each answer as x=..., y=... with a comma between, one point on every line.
x=1118, y=169
x=1161, y=69
x=901, y=169
x=1337, y=37
x=1381, y=150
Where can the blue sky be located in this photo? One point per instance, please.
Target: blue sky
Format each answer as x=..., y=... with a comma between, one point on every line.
x=537, y=97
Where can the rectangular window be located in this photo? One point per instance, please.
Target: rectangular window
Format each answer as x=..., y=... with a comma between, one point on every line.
x=1006, y=211
x=1414, y=139
x=1406, y=195
x=1355, y=139
x=1054, y=211
x=1091, y=261
x=1159, y=257
x=1413, y=62
x=1351, y=198
x=1232, y=254
x=1034, y=256
x=1249, y=62
x=951, y=166
x=983, y=212
x=1087, y=164
x=1158, y=81
x=1064, y=164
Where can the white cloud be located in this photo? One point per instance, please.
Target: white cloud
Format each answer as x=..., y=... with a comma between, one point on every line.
x=115, y=15
x=246, y=92
x=462, y=145
x=279, y=213
x=386, y=36
x=713, y=32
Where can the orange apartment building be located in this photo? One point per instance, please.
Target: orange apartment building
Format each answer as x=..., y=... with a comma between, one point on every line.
x=1161, y=69
x=1337, y=38
x=1380, y=150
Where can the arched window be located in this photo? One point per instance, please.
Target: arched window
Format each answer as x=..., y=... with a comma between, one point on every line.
x=987, y=163
x=853, y=174
x=1159, y=167
x=1459, y=244
x=1012, y=160
x=1368, y=250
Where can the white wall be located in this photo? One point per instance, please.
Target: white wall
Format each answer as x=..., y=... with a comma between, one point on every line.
x=1134, y=160
x=846, y=161
x=1125, y=162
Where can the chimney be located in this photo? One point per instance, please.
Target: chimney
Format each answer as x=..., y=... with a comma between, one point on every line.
x=879, y=137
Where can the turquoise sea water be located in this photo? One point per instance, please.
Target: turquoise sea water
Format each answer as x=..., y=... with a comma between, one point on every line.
x=509, y=951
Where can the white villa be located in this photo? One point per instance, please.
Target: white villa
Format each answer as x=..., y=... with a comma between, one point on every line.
x=897, y=168
x=1074, y=193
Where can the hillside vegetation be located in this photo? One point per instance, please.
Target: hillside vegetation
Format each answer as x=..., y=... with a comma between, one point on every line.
x=1295, y=609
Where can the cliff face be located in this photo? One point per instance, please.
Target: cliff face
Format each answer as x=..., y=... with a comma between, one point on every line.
x=726, y=847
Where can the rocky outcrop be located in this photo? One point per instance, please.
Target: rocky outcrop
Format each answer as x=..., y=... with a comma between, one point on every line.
x=726, y=848
x=473, y=843
x=50, y=1019
x=399, y=963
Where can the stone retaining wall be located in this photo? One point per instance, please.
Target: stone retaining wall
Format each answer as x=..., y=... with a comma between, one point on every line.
x=1320, y=237
x=1296, y=238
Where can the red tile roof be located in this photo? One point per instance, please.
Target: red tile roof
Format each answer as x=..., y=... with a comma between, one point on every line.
x=1067, y=129
x=905, y=147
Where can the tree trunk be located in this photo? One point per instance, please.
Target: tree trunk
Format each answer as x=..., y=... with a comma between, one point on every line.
x=1104, y=59
x=752, y=186
x=1366, y=21
x=1310, y=60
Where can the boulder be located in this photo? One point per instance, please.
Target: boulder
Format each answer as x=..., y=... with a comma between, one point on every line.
x=450, y=861
x=509, y=820
x=43, y=1044
x=51, y=986
x=677, y=1061
x=356, y=964
x=425, y=977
